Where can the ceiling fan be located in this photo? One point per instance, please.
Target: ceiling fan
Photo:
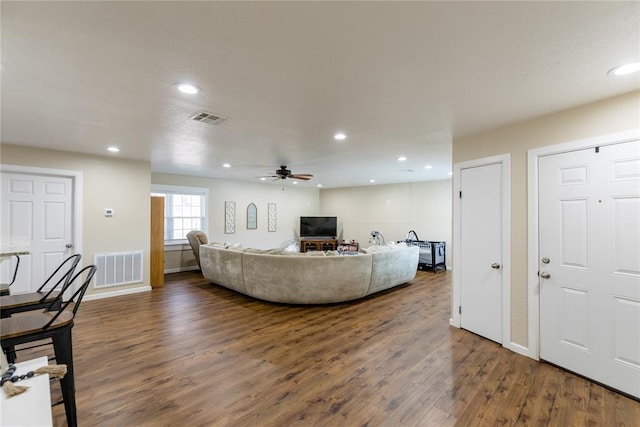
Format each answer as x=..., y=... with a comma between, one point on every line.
x=284, y=173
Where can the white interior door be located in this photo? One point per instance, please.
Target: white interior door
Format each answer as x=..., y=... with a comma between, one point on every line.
x=589, y=263
x=36, y=210
x=481, y=251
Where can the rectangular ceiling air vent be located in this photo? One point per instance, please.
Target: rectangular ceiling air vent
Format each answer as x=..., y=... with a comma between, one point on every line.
x=206, y=117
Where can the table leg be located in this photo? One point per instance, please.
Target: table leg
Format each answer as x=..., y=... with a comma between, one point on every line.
x=64, y=355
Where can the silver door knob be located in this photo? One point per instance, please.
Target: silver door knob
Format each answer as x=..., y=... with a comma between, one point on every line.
x=68, y=245
x=495, y=266
x=545, y=275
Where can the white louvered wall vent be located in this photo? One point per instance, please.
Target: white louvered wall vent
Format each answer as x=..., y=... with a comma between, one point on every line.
x=118, y=268
x=206, y=117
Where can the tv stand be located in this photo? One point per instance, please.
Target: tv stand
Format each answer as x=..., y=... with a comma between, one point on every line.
x=318, y=244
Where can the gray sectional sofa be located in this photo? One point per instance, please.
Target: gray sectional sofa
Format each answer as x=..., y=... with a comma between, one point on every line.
x=308, y=278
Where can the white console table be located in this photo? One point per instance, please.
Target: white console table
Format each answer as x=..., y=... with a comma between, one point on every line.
x=33, y=407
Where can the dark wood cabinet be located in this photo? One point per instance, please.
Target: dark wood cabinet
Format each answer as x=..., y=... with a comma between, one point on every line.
x=318, y=245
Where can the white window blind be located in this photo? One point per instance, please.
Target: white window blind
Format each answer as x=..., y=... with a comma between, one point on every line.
x=185, y=209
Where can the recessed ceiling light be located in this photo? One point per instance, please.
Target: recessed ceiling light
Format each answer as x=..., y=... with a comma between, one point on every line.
x=113, y=149
x=226, y=165
x=428, y=167
x=263, y=179
x=188, y=89
x=625, y=69
x=401, y=158
x=372, y=181
x=294, y=182
x=319, y=185
x=340, y=136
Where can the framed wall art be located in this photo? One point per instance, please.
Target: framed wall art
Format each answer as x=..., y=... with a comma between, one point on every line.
x=252, y=217
x=229, y=217
x=271, y=217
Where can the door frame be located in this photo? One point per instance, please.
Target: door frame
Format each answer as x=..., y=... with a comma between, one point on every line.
x=533, y=246
x=76, y=197
x=505, y=161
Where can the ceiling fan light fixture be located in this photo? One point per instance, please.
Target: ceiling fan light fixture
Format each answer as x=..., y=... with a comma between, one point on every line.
x=623, y=70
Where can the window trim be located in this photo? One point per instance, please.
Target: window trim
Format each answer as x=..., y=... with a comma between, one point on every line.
x=187, y=190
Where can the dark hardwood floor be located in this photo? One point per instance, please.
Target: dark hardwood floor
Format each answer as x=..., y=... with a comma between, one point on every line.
x=195, y=354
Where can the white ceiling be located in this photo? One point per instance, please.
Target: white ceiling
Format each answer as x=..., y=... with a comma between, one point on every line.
x=400, y=78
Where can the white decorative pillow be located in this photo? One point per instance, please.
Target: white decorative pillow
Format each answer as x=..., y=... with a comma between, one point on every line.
x=374, y=249
x=254, y=251
x=315, y=253
x=219, y=245
x=290, y=246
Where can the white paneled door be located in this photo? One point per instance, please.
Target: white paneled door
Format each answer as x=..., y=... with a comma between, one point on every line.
x=589, y=263
x=36, y=210
x=481, y=207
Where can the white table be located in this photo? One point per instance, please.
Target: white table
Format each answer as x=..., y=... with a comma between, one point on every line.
x=33, y=407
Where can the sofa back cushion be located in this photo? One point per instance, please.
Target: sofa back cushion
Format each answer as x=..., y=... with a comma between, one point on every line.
x=223, y=266
x=306, y=279
x=393, y=267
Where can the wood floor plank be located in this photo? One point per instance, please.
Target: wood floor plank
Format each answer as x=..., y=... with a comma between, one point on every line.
x=195, y=354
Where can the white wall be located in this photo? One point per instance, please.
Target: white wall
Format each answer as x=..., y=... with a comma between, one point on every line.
x=108, y=182
x=393, y=210
x=293, y=202
x=599, y=118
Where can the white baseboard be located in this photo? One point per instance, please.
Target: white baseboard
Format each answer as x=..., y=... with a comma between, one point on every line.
x=180, y=269
x=117, y=293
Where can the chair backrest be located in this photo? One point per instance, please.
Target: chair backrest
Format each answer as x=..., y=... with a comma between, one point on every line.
x=197, y=238
x=89, y=271
x=67, y=267
x=15, y=270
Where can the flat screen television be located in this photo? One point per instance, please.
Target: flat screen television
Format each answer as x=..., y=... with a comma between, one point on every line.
x=319, y=226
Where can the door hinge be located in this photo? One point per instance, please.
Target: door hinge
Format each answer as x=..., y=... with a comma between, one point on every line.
x=459, y=309
x=597, y=149
x=461, y=194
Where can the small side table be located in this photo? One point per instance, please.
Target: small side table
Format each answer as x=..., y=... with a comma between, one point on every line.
x=33, y=407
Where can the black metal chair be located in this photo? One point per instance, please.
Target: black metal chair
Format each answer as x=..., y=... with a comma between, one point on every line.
x=5, y=287
x=11, y=304
x=55, y=324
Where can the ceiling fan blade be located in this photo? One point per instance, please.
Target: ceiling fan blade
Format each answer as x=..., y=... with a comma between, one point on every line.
x=301, y=177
